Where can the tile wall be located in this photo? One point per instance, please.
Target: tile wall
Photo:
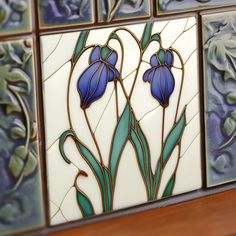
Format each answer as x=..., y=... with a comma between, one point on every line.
x=107, y=105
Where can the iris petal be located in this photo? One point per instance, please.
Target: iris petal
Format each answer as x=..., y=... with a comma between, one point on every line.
x=112, y=59
x=162, y=85
x=114, y=73
x=95, y=54
x=169, y=58
x=147, y=77
x=154, y=61
x=84, y=80
x=101, y=86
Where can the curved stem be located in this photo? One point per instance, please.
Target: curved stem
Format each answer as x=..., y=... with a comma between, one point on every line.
x=162, y=148
x=117, y=103
x=69, y=83
x=181, y=85
x=94, y=138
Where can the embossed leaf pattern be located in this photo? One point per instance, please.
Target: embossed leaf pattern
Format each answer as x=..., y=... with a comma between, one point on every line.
x=222, y=55
x=17, y=107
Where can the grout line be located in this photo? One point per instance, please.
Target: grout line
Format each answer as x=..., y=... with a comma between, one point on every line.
x=201, y=102
x=40, y=113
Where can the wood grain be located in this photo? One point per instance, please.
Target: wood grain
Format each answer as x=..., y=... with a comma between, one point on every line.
x=212, y=216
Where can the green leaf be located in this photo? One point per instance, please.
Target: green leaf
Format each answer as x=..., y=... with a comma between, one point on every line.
x=169, y=188
x=109, y=189
x=120, y=138
x=173, y=139
x=18, y=132
x=146, y=35
x=62, y=139
x=96, y=168
x=4, y=15
x=156, y=37
x=229, y=126
x=157, y=179
x=14, y=76
x=80, y=45
x=231, y=98
x=141, y=159
x=114, y=36
x=88, y=157
x=21, y=151
x=84, y=204
x=30, y=165
x=9, y=212
x=15, y=165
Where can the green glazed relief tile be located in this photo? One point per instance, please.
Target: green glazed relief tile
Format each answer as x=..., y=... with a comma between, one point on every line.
x=55, y=13
x=21, y=205
x=167, y=6
x=219, y=44
x=122, y=117
x=111, y=10
x=15, y=16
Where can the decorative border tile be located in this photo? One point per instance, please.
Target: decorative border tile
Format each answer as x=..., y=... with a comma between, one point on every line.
x=53, y=13
x=171, y=6
x=111, y=10
x=219, y=43
x=21, y=206
x=15, y=16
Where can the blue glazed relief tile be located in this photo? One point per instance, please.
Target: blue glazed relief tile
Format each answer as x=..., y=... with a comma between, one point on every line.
x=55, y=13
x=220, y=95
x=20, y=186
x=183, y=5
x=110, y=10
x=15, y=16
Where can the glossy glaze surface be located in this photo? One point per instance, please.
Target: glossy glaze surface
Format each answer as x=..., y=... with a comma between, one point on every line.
x=220, y=96
x=103, y=139
x=21, y=206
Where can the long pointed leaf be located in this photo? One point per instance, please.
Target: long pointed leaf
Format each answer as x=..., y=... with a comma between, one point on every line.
x=96, y=168
x=109, y=190
x=169, y=188
x=80, y=45
x=85, y=204
x=88, y=157
x=146, y=35
x=135, y=140
x=173, y=139
x=157, y=180
x=119, y=140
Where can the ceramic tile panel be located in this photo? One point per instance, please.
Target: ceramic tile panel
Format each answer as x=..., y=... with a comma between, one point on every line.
x=167, y=6
x=54, y=13
x=21, y=205
x=220, y=96
x=122, y=117
x=15, y=16
x=111, y=10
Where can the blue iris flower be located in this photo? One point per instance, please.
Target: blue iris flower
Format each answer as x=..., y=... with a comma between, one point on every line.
x=101, y=70
x=160, y=76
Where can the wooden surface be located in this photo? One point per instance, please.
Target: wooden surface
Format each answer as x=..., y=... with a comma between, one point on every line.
x=213, y=215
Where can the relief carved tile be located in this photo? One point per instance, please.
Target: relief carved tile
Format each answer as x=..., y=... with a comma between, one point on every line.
x=183, y=5
x=220, y=94
x=111, y=10
x=54, y=13
x=15, y=16
x=121, y=116
x=20, y=186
